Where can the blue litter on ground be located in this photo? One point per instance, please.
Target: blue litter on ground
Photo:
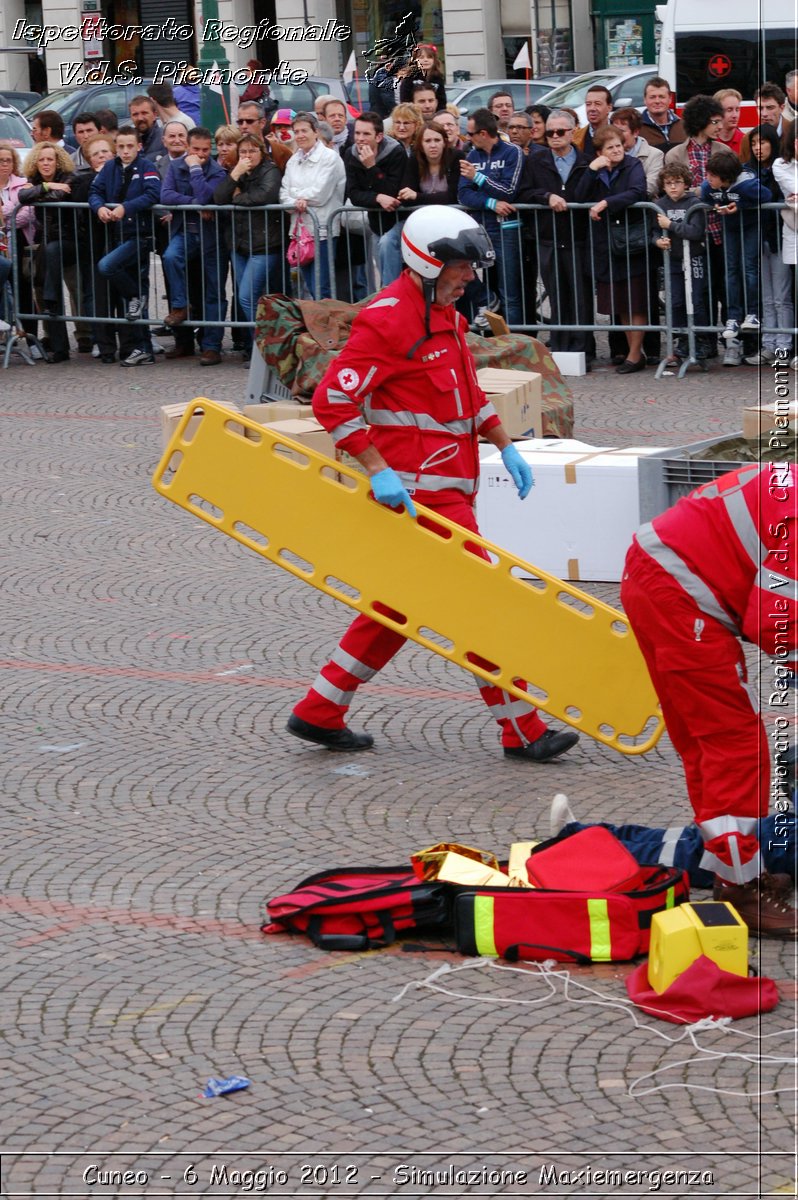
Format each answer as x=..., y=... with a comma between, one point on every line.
x=220, y=1087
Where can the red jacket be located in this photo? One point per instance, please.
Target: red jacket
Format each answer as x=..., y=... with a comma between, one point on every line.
x=417, y=401
x=731, y=544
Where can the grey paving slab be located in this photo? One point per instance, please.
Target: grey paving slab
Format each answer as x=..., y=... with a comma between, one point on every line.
x=151, y=803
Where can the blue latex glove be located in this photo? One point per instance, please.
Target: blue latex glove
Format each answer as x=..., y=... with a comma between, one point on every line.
x=388, y=489
x=519, y=470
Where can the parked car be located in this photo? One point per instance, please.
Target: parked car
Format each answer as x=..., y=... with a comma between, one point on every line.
x=16, y=130
x=477, y=95
x=70, y=101
x=558, y=77
x=20, y=100
x=626, y=87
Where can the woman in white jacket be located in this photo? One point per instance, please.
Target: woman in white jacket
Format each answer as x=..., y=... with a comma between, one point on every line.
x=785, y=172
x=314, y=181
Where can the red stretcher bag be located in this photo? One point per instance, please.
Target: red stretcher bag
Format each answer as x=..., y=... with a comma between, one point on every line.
x=533, y=924
x=359, y=908
x=591, y=860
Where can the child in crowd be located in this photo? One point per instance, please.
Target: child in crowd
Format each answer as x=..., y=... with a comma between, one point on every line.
x=682, y=220
x=778, y=307
x=736, y=194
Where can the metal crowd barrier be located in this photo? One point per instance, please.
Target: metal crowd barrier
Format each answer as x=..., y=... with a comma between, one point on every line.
x=543, y=283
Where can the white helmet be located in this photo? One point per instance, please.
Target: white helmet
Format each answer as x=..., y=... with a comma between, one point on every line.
x=436, y=235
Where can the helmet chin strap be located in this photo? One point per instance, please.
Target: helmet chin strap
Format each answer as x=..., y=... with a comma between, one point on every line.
x=428, y=287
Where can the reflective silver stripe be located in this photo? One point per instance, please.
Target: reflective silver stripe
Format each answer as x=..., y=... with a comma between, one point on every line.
x=353, y=666
x=744, y=527
x=387, y=418
x=717, y=826
x=347, y=429
x=437, y=483
x=748, y=688
x=330, y=692
x=737, y=872
x=784, y=586
x=506, y=707
x=649, y=540
x=386, y=302
x=669, y=841
x=372, y=371
x=711, y=491
x=336, y=397
x=486, y=412
x=457, y=392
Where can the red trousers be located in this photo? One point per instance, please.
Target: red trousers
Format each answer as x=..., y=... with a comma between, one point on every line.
x=698, y=670
x=367, y=646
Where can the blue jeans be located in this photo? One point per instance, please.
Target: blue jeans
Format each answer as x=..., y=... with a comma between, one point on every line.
x=776, y=833
x=127, y=268
x=741, y=254
x=255, y=274
x=183, y=247
x=507, y=245
x=390, y=254
x=507, y=277
x=318, y=271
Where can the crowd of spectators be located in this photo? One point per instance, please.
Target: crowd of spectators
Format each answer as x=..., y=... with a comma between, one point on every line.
x=288, y=180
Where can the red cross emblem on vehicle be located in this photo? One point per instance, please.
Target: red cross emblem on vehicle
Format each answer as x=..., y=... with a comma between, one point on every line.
x=719, y=65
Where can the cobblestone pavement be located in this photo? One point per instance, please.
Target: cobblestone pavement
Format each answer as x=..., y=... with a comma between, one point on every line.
x=152, y=803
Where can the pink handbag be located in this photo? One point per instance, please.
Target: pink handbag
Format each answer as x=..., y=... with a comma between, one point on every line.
x=302, y=246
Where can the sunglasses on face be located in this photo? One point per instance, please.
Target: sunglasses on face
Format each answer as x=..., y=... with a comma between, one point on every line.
x=247, y=121
x=557, y=132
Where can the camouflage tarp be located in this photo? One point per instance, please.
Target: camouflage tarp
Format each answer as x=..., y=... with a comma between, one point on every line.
x=299, y=338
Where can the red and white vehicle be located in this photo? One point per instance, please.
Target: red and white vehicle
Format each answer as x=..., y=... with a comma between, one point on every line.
x=711, y=44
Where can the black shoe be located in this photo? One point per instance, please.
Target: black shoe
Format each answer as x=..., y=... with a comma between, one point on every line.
x=58, y=356
x=84, y=345
x=332, y=739
x=107, y=358
x=617, y=359
x=629, y=368
x=549, y=745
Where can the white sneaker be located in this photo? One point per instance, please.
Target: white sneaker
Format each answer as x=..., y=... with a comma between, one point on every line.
x=35, y=353
x=137, y=359
x=734, y=354
x=561, y=814
x=157, y=348
x=4, y=326
x=763, y=358
x=95, y=351
x=794, y=363
x=730, y=330
x=750, y=324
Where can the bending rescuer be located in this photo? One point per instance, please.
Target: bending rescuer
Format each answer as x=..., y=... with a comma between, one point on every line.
x=403, y=399
x=718, y=567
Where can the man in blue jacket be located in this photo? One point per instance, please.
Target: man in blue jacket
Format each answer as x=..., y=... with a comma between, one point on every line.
x=121, y=196
x=491, y=175
x=193, y=180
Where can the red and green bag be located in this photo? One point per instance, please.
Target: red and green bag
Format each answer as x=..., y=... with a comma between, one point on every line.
x=534, y=924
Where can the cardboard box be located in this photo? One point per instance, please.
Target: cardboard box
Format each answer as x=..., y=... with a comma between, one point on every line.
x=577, y=522
x=279, y=410
x=171, y=415
x=761, y=422
x=517, y=397
x=308, y=433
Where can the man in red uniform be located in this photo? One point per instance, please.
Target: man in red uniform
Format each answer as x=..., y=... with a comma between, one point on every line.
x=403, y=399
x=717, y=567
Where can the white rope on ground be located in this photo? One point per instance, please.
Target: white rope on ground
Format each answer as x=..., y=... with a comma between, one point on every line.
x=560, y=982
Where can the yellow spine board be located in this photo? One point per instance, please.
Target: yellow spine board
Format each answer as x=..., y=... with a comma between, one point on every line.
x=314, y=518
